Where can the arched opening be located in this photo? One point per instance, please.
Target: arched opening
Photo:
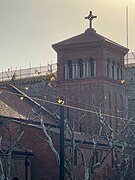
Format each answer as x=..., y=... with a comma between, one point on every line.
x=108, y=72
x=80, y=63
x=91, y=67
x=70, y=69
x=113, y=70
x=119, y=72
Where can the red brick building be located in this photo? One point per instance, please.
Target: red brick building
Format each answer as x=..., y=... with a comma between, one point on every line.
x=89, y=71
x=17, y=119
x=90, y=68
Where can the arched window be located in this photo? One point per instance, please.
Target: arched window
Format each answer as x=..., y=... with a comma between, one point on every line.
x=80, y=63
x=108, y=68
x=118, y=71
x=113, y=70
x=69, y=66
x=91, y=67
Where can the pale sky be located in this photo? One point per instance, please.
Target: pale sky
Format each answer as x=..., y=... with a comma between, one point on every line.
x=28, y=28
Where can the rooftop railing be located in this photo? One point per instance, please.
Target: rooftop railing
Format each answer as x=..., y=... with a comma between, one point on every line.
x=130, y=59
x=28, y=72
x=44, y=70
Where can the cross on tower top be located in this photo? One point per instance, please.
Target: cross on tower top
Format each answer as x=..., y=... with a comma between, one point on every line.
x=90, y=17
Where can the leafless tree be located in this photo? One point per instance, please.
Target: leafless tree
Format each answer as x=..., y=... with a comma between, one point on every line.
x=121, y=143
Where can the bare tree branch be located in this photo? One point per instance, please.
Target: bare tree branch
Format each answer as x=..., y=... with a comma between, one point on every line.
x=49, y=139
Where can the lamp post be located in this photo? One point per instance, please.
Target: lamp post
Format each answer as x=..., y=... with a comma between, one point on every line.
x=61, y=142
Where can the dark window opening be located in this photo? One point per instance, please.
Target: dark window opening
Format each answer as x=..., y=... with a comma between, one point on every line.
x=91, y=65
x=64, y=73
x=113, y=70
x=118, y=72
x=69, y=69
x=80, y=62
x=107, y=68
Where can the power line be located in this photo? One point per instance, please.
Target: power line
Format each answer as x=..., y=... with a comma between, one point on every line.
x=73, y=107
x=78, y=102
x=81, y=102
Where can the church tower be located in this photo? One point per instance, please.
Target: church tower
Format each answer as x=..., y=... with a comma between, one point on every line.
x=89, y=69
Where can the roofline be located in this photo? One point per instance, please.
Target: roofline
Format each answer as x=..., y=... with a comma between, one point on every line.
x=94, y=44
x=101, y=40
x=37, y=125
x=28, y=121
x=19, y=153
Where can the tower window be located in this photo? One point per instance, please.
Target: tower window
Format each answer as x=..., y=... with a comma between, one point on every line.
x=113, y=70
x=91, y=67
x=69, y=69
x=108, y=68
x=119, y=72
x=80, y=63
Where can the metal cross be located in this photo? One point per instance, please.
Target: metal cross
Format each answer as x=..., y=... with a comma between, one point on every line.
x=90, y=17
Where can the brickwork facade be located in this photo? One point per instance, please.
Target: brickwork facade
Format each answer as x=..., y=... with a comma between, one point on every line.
x=90, y=68
x=89, y=71
x=44, y=165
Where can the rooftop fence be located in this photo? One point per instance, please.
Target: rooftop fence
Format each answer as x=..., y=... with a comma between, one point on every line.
x=28, y=72
x=130, y=58
x=44, y=70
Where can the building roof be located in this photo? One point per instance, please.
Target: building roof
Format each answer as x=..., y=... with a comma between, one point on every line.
x=12, y=106
x=6, y=110
x=89, y=36
x=13, y=101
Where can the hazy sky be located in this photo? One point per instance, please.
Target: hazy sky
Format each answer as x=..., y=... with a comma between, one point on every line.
x=28, y=28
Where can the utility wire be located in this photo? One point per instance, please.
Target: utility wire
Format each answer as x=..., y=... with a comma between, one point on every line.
x=80, y=101
x=73, y=107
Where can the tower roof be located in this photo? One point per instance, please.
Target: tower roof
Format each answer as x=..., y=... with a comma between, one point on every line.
x=89, y=36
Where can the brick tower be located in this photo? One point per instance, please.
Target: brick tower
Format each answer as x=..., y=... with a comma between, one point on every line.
x=89, y=71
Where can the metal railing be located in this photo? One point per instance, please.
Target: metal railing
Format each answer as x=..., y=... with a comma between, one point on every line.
x=130, y=58
x=44, y=70
x=28, y=72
